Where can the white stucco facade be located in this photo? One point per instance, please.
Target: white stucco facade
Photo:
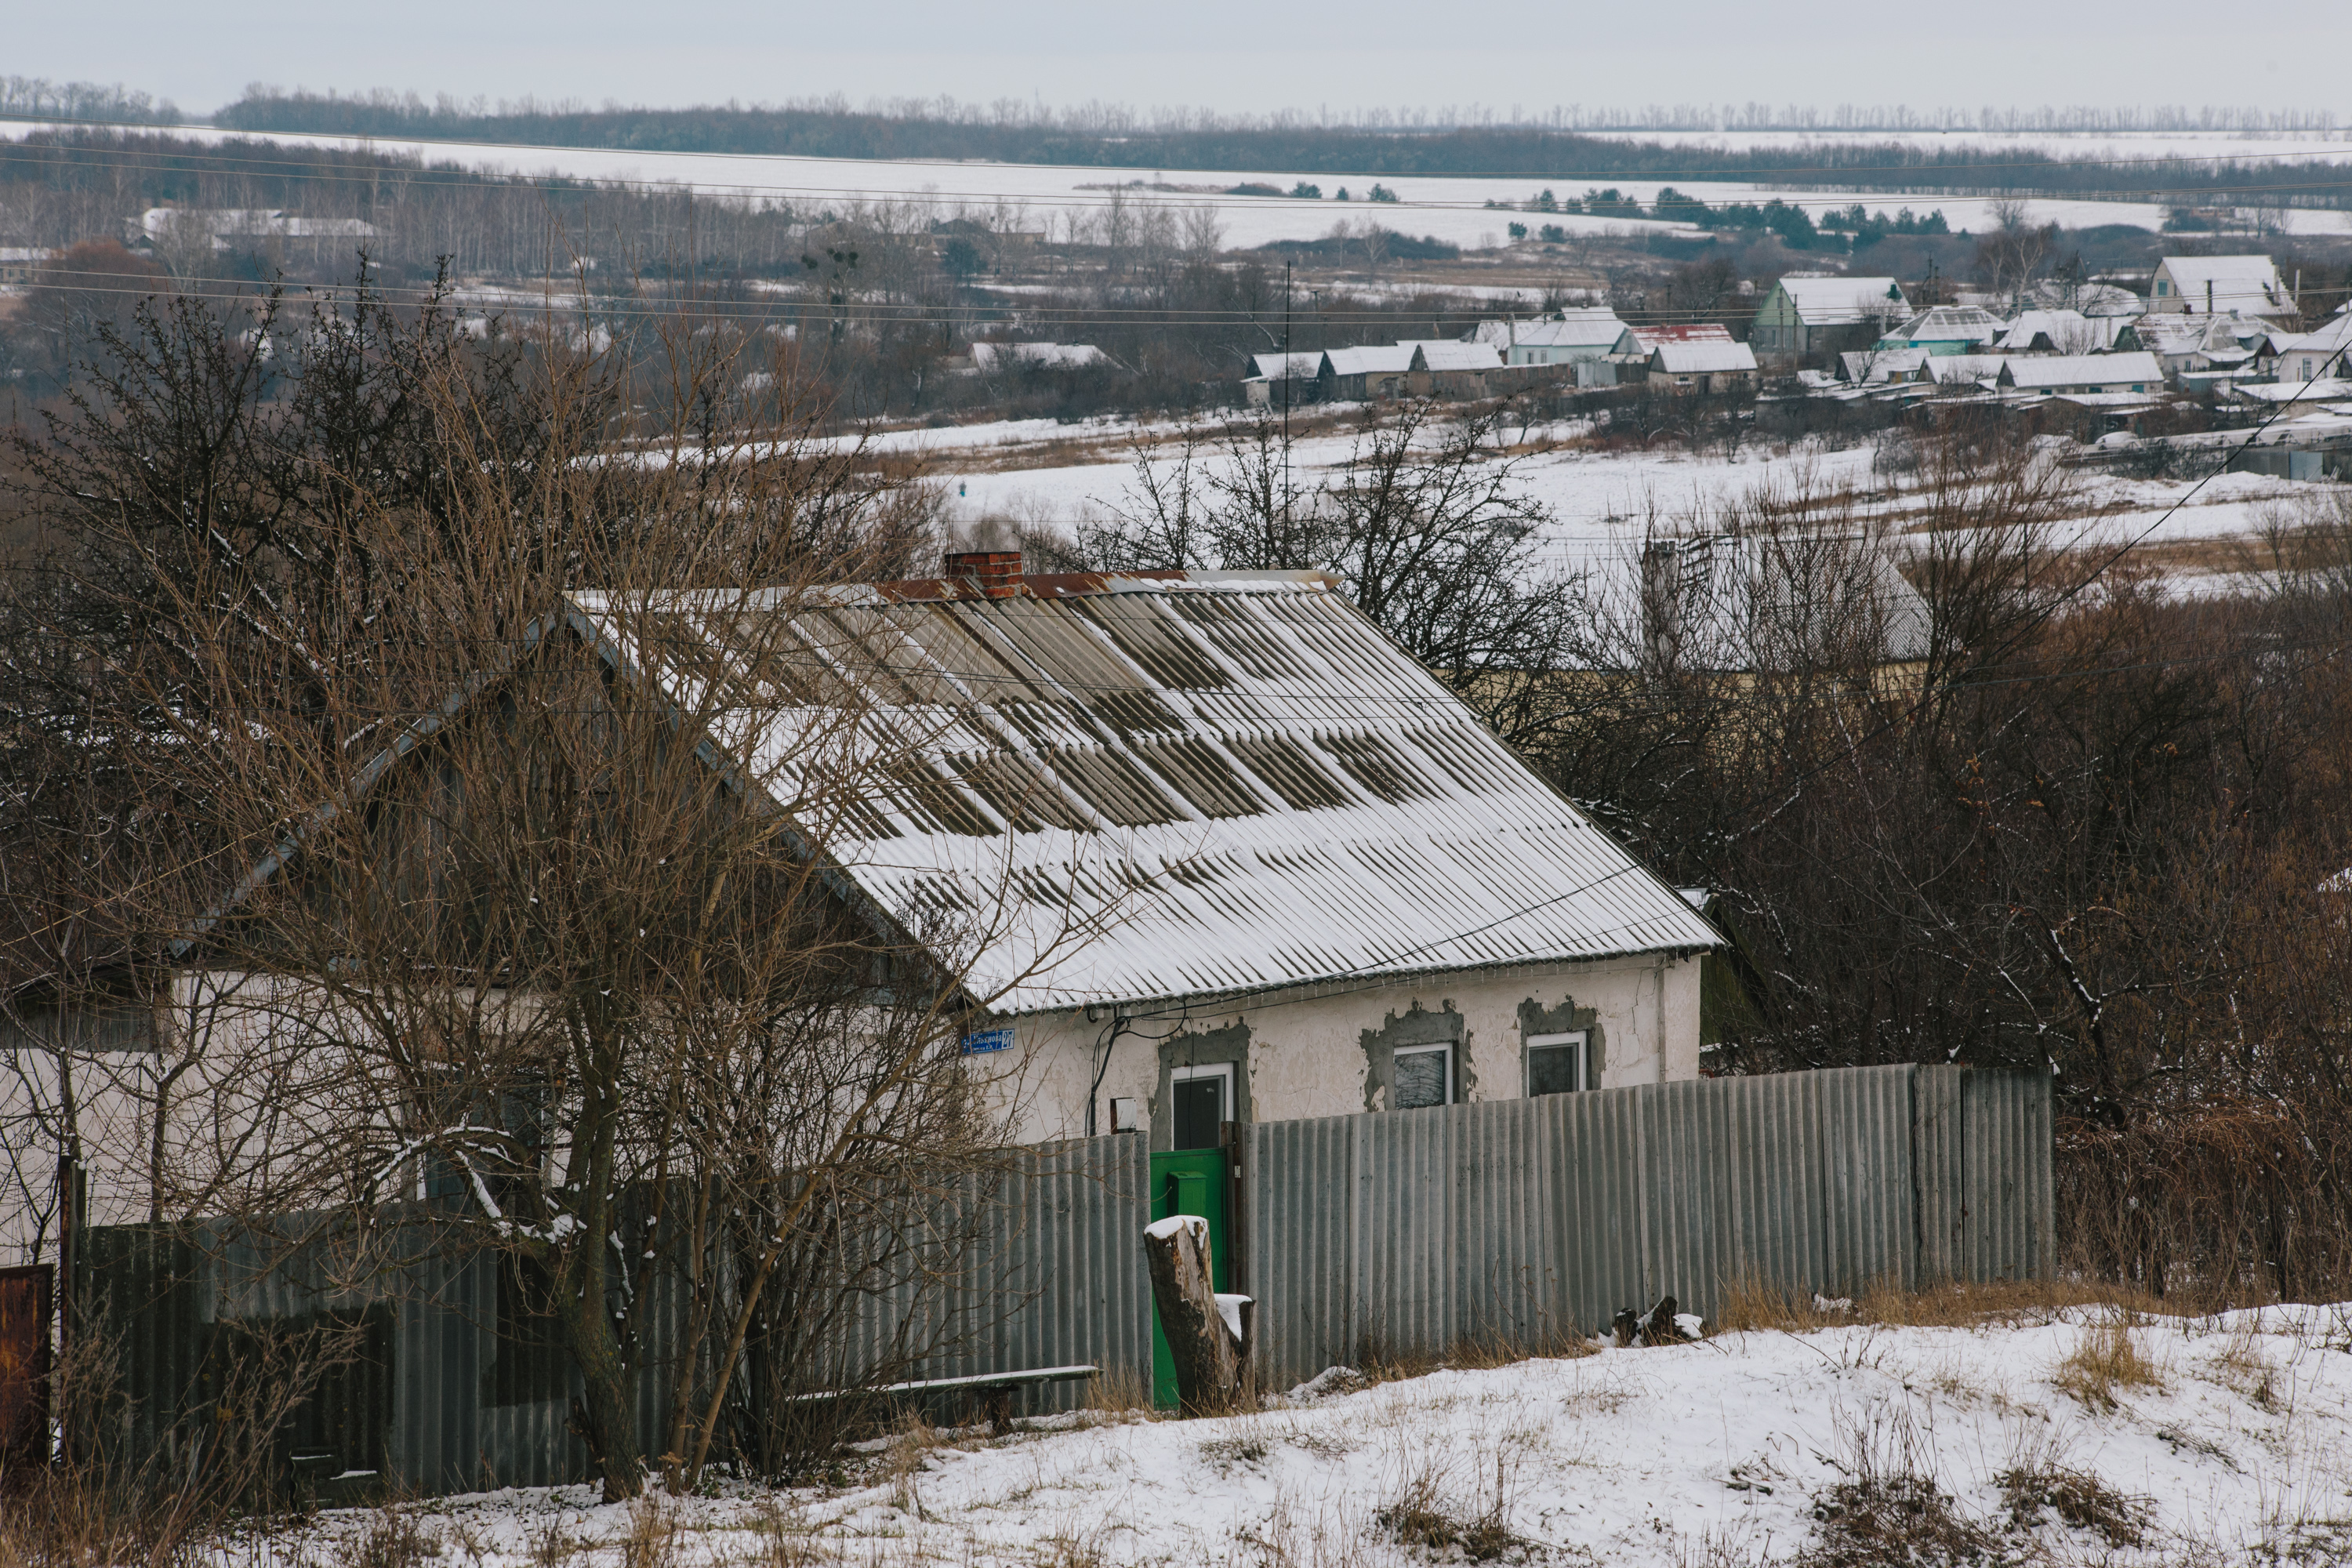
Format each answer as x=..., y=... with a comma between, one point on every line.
x=1327, y=1050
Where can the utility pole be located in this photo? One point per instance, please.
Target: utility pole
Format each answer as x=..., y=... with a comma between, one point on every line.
x=1286, y=399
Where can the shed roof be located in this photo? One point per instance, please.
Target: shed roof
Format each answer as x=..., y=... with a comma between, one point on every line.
x=1947, y=324
x=1456, y=356
x=1644, y=337
x=1594, y=328
x=2048, y=372
x=1273, y=791
x=1378, y=359
x=1299, y=364
x=1701, y=358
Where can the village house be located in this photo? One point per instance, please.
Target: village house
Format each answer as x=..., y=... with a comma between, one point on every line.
x=1703, y=367
x=1282, y=379
x=19, y=262
x=2220, y=285
x=2053, y=374
x=1363, y=374
x=2308, y=356
x=2059, y=331
x=1261, y=866
x=1946, y=330
x=1818, y=313
x=2197, y=344
x=1451, y=369
x=1577, y=336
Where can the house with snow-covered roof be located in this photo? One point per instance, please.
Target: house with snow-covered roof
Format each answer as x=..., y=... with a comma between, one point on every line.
x=2082, y=372
x=2220, y=285
x=1816, y=313
x=1577, y=334
x=1946, y=330
x=1335, y=891
x=1702, y=367
x=1361, y=375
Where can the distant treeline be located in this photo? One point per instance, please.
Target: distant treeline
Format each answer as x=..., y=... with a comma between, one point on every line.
x=1109, y=137
x=38, y=97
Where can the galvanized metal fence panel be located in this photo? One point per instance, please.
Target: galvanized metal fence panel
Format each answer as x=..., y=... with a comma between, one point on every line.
x=1508, y=1223
x=1519, y=1221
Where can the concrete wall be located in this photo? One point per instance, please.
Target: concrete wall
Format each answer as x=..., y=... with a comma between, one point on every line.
x=1323, y=1051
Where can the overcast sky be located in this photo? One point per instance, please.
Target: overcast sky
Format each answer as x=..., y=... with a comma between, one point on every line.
x=1232, y=55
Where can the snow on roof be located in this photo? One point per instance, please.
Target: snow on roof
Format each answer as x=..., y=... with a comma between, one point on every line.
x=2235, y=283
x=1947, y=324
x=2051, y=372
x=1827, y=302
x=1456, y=356
x=1299, y=364
x=1392, y=359
x=2091, y=299
x=1059, y=356
x=1865, y=367
x=1594, y=328
x=1701, y=358
x=1237, y=774
x=2332, y=336
x=1641, y=340
x=1724, y=601
x=2059, y=331
x=1946, y=370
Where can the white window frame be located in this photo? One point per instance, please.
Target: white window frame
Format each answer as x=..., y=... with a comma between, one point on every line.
x=1403, y=1051
x=1581, y=1038
x=1220, y=1071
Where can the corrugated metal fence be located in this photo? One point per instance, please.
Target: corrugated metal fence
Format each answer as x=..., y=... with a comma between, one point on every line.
x=1507, y=1222
x=1514, y=1222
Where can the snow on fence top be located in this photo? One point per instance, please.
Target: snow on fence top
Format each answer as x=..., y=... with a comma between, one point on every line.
x=1220, y=781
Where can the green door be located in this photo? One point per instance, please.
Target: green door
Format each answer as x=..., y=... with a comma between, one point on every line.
x=1189, y=1181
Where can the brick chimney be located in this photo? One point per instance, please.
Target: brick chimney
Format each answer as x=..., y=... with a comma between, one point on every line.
x=995, y=573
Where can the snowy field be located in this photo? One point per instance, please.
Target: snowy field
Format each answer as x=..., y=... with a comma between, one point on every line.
x=2219, y=1440
x=1452, y=208
x=1602, y=503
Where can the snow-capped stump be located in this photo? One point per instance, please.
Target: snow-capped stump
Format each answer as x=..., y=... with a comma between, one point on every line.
x=1208, y=1334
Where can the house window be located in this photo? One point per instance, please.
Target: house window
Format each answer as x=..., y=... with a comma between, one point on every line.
x=1204, y=1103
x=2162, y=288
x=1559, y=1064
x=1424, y=1076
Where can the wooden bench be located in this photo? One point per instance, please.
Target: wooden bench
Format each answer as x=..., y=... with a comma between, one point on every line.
x=996, y=1389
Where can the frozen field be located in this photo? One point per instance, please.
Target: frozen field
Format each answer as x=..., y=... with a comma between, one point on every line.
x=2229, y=1443
x=1602, y=503
x=1452, y=208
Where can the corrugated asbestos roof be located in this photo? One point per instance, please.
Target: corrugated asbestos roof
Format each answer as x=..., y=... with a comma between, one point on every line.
x=1234, y=781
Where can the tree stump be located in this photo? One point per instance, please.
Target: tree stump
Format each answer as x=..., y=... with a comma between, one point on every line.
x=1206, y=1350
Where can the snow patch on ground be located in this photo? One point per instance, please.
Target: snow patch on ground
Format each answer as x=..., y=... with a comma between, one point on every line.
x=1639, y=1457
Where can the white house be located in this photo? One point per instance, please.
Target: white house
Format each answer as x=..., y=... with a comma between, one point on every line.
x=1580, y=334
x=2310, y=356
x=2220, y=285
x=1345, y=894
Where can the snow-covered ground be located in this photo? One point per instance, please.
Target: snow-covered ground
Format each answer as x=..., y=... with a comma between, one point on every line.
x=1602, y=502
x=2237, y=1450
x=1450, y=208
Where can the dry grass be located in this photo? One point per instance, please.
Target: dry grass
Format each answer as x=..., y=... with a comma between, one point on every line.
x=1749, y=1304
x=2107, y=1358
x=652, y=1539
x=1121, y=1391
x=1422, y=1518
x=2080, y=1501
